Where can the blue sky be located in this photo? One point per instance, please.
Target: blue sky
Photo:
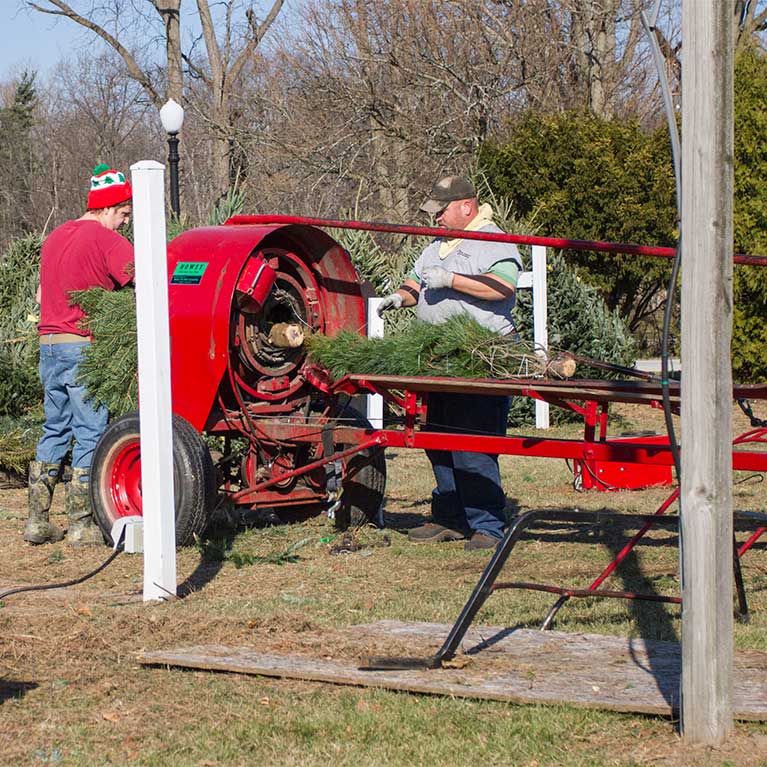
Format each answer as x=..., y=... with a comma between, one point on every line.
x=34, y=40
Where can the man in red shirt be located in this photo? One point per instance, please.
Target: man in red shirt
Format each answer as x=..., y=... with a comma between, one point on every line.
x=77, y=255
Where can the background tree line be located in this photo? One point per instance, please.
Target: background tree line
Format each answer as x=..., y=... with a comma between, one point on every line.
x=326, y=107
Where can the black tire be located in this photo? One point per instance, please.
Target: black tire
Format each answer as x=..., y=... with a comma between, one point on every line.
x=115, y=486
x=364, y=483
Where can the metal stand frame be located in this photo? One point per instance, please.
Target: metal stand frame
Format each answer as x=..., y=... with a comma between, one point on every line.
x=487, y=582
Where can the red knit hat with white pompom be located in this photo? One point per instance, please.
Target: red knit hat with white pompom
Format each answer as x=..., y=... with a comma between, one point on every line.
x=109, y=187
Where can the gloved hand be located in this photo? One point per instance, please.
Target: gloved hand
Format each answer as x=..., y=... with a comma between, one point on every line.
x=394, y=301
x=436, y=277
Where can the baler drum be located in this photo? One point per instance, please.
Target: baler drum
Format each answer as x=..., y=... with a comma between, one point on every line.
x=265, y=370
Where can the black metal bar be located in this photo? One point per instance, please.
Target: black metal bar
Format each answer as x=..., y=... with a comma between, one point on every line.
x=484, y=587
x=555, y=608
x=487, y=585
x=740, y=588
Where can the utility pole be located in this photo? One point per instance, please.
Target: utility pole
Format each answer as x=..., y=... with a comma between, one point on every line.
x=706, y=526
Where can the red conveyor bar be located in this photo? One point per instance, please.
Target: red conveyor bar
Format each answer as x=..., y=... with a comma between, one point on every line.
x=571, y=388
x=550, y=391
x=517, y=239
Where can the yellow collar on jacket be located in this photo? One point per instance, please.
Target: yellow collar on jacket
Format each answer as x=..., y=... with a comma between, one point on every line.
x=483, y=218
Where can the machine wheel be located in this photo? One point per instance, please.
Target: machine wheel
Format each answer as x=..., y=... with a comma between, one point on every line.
x=364, y=481
x=116, y=477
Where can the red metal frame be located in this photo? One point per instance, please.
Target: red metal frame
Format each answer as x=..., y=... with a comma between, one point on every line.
x=407, y=391
x=518, y=239
x=251, y=248
x=594, y=448
x=615, y=475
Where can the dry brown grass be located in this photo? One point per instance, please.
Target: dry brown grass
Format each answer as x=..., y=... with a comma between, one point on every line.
x=71, y=692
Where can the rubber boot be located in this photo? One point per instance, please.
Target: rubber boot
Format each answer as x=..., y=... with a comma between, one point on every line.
x=83, y=531
x=42, y=479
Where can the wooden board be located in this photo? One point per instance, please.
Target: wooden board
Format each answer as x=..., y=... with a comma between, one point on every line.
x=517, y=666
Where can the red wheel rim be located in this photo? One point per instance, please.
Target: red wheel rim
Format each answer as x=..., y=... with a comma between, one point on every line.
x=124, y=477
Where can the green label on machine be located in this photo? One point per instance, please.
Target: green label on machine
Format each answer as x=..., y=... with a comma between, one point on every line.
x=188, y=272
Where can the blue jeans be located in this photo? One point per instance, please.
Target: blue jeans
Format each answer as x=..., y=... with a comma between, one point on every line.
x=469, y=495
x=68, y=414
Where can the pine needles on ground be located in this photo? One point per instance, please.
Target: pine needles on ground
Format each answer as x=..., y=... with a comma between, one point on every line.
x=220, y=551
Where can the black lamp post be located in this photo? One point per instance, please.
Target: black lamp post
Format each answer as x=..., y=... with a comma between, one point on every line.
x=172, y=118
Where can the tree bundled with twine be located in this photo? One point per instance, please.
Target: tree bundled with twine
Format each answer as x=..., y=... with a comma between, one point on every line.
x=458, y=348
x=20, y=390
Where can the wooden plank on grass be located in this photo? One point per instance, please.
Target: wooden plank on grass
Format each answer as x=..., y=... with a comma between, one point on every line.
x=516, y=666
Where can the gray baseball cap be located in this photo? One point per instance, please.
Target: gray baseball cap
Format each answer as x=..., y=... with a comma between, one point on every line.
x=445, y=191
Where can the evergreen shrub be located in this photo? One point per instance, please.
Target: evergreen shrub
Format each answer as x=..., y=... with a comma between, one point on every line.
x=582, y=177
x=749, y=332
x=19, y=351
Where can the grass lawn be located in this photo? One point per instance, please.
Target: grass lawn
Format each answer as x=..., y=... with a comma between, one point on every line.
x=72, y=693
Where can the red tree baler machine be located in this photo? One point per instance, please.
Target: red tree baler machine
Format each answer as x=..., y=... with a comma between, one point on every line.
x=287, y=438
x=285, y=443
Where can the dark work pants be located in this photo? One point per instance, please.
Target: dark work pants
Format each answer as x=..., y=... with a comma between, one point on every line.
x=468, y=496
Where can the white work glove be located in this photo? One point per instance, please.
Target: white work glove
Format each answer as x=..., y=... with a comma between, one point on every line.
x=394, y=301
x=436, y=277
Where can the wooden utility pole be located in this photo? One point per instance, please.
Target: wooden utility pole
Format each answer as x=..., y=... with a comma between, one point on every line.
x=706, y=495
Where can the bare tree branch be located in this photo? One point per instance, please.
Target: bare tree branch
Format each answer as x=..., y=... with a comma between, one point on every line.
x=134, y=69
x=169, y=11
x=217, y=73
x=257, y=32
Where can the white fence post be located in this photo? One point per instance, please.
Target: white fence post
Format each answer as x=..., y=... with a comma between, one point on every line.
x=540, y=327
x=374, y=402
x=148, y=179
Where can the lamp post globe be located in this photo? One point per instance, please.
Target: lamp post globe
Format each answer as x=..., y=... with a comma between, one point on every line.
x=172, y=118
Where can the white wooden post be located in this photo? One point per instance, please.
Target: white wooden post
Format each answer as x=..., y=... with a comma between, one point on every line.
x=374, y=402
x=706, y=526
x=148, y=179
x=540, y=326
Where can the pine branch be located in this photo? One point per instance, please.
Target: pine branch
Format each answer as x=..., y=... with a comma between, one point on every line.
x=109, y=367
x=458, y=348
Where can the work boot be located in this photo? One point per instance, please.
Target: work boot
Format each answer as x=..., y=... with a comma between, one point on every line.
x=83, y=531
x=480, y=542
x=42, y=479
x=431, y=532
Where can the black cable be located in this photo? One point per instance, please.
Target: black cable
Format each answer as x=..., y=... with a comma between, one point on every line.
x=667, y=411
x=759, y=477
x=745, y=406
x=19, y=589
x=649, y=25
x=597, y=479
